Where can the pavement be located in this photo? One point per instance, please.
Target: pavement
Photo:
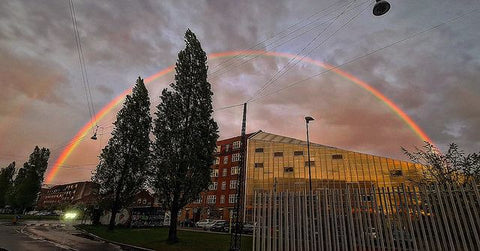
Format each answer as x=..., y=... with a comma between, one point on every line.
x=49, y=235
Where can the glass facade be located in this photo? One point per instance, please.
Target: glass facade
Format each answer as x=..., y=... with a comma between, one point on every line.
x=282, y=165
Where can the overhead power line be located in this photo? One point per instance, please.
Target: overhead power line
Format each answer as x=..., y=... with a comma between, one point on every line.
x=280, y=34
x=293, y=62
x=81, y=59
x=272, y=44
x=451, y=20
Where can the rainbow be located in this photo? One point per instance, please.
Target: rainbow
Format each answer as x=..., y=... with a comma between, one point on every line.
x=117, y=100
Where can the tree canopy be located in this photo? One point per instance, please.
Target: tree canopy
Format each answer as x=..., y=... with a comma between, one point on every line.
x=28, y=182
x=6, y=182
x=185, y=133
x=122, y=170
x=453, y=167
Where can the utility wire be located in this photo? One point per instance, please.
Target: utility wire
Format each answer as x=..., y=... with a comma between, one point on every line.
x=233, y=106
x=81, y=58
x=368, y=54
x=280, y=33
x=291, y=63
x=219, y=72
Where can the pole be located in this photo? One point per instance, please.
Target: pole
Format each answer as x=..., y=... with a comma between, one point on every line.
x=311, y=225
x=308, y=156
x=236, y=235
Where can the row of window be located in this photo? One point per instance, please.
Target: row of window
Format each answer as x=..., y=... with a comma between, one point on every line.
x=260, y=165
x=295, y=153
x=235, y=158
x=233, y=171
x=214, y=185
x=235, y=145
x=212, y=199
x=289, y=169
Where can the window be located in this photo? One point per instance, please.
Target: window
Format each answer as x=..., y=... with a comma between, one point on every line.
x=298, y=153
x=278, y=154
x=258, y=165
x=232, y=198
x=288, y=169
x=337, y=156
x=312, y=163
x=139, y=201
x=225, y=160
x=236, y=144
x=259, y=150
x=144, y=201
x=198, y=200
x=227, y=147
x=224, y=185
x=212, y=186
x=233, y=184
x=217, y=149
x=234, y=170
x=211, y=199
x=217, y=160
x=396, y=173
x=236, y=157
x=222, y=199
x=224, y=172
x=214, y=173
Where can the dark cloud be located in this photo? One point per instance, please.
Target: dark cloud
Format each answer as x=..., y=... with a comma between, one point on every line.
x=432, y=77
x=24, y=77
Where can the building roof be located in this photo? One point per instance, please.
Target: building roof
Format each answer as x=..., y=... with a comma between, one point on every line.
x=265, y=136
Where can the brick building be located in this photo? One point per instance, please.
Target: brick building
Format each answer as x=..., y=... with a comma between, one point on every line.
x=218, y=201
x=143, y=199
x=68, y=194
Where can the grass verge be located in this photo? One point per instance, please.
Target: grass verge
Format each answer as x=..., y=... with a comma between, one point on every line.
x=155, y=238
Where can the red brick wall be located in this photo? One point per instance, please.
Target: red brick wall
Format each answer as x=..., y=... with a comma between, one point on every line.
x=222, y=209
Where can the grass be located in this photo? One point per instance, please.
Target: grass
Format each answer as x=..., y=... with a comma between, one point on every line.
x=155, y=238
x=28, y=217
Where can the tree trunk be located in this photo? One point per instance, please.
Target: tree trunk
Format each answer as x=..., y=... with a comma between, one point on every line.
x=172, y=231
x=111, y=225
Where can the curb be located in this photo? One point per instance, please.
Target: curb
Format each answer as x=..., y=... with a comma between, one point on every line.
x=122, y=245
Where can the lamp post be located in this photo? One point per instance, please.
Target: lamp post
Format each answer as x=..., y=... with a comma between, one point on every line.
x=307, y=120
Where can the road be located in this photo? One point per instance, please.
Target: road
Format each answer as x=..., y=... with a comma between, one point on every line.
x=11, y=238
x=47, y=236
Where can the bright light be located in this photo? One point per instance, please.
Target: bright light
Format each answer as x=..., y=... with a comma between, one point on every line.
x=70, y=216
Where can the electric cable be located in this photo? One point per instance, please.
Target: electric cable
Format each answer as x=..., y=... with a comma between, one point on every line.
x=219, y=72
x=289, y=64
x=367, y=54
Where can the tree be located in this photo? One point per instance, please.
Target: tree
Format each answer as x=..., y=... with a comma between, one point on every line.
x=452, y=167
x=6, y=182
x=123, y=166
x=29, y=180
x=185, y=134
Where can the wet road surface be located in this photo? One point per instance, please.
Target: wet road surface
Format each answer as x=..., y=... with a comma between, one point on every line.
x=50, y=235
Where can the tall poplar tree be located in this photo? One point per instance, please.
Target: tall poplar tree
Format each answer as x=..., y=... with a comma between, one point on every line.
x=185, y=134
x=123, y=167
x=6, y=182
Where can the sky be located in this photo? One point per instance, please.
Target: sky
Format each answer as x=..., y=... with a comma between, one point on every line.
x=431, y=74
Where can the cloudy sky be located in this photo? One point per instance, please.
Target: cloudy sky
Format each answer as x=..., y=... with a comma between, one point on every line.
x=433, y=76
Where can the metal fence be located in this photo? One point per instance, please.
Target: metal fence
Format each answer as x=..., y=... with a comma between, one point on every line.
x=391, y=218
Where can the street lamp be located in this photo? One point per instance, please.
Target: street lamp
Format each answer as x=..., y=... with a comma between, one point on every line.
x=94, y=137
x=307, y=120
x=381, y=7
